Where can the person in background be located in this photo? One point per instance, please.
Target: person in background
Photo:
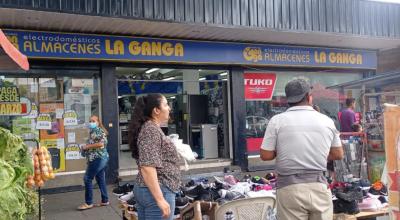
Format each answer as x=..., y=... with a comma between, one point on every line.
x=301, y=139
x=357, y=128
x=159, y=175
x=348, y=116
x=97, y=158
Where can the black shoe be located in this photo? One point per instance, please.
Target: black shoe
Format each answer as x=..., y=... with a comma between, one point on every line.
x=132, y=210
x=177, y=213
x=131, y=202
x=181, y=202
x=124, y=189
x=194, y=192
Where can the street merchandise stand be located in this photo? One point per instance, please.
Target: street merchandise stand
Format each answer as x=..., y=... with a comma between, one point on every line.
x=392, y=148
x=353, y=165
x=361, y=215
x=374, y=92
x=39, y=188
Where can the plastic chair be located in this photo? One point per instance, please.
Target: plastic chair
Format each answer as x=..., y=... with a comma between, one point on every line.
x=247, y=209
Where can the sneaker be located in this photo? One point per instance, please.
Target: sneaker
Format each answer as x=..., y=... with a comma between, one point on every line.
x=230, y=179
x=246, y=178
x=194, y=192
x=122, y=190
x=125, y=198
x=131, y=202
x=181, y=202
x=230, y=195
x=132, y=210
x=257, y=179
x=177, y=213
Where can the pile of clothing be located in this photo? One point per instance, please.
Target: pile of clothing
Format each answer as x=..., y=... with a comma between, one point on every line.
x=351, y=198
x=216, y=189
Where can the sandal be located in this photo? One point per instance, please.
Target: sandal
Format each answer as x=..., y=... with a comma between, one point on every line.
x=103, y=204
x=84, y=207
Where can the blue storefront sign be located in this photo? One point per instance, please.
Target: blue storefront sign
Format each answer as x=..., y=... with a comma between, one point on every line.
x=135, y=49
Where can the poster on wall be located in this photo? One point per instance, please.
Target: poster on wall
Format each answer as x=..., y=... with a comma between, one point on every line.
x=70, y=118
x=259, y=86
x=34, y=111
x=25, y=128
x=43, y=121
x=56, y=129
x=73, y=152
x=11, y=103
x=57, y=152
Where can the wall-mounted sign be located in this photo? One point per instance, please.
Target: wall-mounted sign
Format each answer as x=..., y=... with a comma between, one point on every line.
x=43, y=121
x=73, y=152
x=259, y=86
x=70, y=118
x=97, y=47
x=11, y=103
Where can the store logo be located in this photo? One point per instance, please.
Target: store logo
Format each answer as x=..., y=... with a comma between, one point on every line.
x=252, y=54
x=259, y=86
x=14, y=40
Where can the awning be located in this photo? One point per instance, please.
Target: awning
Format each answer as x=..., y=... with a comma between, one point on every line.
x=10, y=57
x=371, y=82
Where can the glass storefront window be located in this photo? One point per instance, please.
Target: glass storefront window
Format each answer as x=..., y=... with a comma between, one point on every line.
x=198, y=101
x=330, y=102
x=54, y=111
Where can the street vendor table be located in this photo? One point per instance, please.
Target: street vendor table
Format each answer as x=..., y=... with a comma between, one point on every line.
x=362, y=215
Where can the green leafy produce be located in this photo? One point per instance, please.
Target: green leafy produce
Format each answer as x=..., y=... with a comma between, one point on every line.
x=18, y=201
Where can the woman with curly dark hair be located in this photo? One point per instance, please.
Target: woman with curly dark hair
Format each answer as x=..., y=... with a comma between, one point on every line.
x=157, y=159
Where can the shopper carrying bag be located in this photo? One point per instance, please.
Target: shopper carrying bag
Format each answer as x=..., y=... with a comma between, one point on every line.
x=97, y=158
x=157, y=159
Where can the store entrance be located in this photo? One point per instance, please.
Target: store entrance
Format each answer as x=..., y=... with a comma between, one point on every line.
x=199, y=107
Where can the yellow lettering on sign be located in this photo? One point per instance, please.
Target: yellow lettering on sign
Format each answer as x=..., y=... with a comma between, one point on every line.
x=320, y=57
x=117, y=49
x=10, y=109
x=179, y=50
x=345, y=58
x=28, y=46
x=146, y=48
x=47, y=47
x=156, y=48
x=167, y=49
x=134, y=48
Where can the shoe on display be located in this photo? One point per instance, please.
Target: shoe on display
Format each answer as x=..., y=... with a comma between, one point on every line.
x=246, y=178
x=122, y=190
x=132, y=210
x=177, y=213
x=230, y=179
x=131, y=202
x=230, y=195
x=181, y=202
x=194, y=192
x=126, y=197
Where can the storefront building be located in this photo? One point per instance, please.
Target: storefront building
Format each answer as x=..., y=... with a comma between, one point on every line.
x=221, y=93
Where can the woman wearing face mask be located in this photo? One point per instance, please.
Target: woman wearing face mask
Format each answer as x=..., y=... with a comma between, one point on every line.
x=97, y=157
x=159, y=175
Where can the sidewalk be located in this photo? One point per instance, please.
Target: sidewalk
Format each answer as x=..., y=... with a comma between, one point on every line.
x=62, y=206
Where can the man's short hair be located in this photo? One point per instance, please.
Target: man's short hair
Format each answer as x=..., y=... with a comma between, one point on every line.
x=350, y=101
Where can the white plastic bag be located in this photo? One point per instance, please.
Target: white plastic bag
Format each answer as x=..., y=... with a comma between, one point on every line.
x=183, y=150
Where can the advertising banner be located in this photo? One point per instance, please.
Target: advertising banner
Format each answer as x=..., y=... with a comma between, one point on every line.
x=259, y=86
x=36, y=44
